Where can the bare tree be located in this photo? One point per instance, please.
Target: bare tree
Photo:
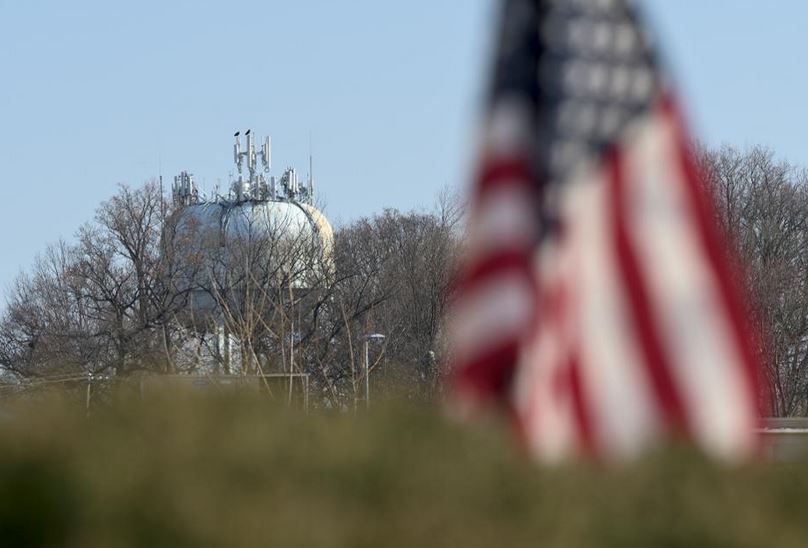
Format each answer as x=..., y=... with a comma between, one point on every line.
x=763, y=206
x=144, y=288
x=108, y=299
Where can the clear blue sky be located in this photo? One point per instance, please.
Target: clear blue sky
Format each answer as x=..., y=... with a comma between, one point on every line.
x=94, y=93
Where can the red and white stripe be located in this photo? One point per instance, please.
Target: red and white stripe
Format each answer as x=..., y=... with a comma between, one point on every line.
x=642, y=334
x=496, y=308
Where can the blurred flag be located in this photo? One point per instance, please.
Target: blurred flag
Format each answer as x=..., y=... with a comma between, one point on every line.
x=596, y=301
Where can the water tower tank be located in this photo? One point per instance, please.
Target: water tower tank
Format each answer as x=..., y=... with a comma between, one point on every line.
x=276, y=227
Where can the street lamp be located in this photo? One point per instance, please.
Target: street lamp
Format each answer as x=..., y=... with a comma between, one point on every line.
x=368, y=338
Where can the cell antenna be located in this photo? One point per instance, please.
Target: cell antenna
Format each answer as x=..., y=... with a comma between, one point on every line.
x=266, y=154
x=237, y=151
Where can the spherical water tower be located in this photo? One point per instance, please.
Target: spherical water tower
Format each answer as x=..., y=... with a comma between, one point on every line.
x=272, y=224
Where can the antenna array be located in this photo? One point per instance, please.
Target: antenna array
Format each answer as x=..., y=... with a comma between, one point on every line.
x=256, y=185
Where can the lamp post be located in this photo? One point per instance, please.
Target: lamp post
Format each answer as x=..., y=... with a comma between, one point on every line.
x=368, y=338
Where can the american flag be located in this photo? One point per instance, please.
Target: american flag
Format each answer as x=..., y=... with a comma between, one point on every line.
x=596, y=300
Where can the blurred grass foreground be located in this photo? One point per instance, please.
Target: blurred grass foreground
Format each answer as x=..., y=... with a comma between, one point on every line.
x=177, y=469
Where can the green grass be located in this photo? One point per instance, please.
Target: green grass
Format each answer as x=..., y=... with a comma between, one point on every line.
x=207, y=472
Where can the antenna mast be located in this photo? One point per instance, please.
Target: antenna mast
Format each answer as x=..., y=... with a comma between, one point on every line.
x=160, y=177
x=311, y=175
